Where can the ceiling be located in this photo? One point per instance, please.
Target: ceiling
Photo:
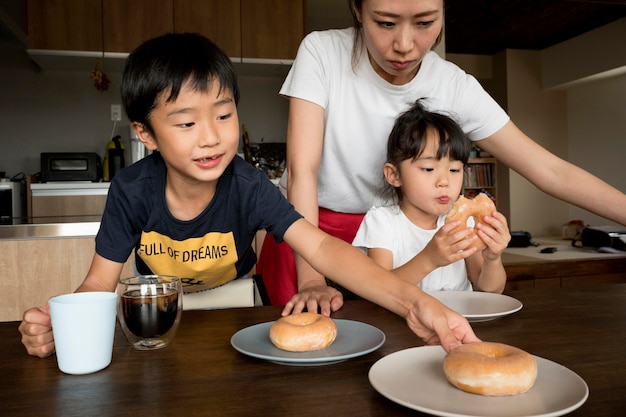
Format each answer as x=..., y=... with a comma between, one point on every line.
x=485, y=27
x=482, y=27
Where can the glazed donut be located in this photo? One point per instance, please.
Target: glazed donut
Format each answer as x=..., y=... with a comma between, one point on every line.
x=302, y=332
x=478, y=208
x=488, y=368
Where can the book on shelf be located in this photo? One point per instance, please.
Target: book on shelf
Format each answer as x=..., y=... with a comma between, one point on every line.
x=479, y=175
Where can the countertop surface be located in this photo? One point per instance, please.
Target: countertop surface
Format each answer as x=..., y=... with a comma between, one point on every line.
x=68, y=188
x=564, y=252
x=48, y=230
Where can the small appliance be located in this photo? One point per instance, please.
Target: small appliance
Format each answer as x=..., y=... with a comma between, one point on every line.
x=113, y=158
x=70, y=166
x=12, y=201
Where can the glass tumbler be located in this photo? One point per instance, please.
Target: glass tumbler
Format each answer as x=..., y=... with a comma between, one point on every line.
x=149, y=309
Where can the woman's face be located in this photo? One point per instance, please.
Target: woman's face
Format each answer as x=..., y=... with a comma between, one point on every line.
x=398, y=34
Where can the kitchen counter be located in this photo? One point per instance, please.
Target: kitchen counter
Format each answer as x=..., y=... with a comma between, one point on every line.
x=69, y=188
x=49, y=230
x=564, y=252
x=566, y=267
x=42, y=260
x=67, y=202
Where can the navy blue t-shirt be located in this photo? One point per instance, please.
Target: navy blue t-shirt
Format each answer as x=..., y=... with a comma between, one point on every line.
x=210, y=250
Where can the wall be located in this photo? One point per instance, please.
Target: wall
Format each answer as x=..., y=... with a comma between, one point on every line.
x=582, y=120
x=542, y=115
x=59, y=110
x=597, y=134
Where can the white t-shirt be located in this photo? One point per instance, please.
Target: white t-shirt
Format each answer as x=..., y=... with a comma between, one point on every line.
x=361, y=107
x=388, y=228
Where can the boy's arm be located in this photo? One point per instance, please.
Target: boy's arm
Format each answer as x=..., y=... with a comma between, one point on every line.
x=346, y=265
x=102, y=276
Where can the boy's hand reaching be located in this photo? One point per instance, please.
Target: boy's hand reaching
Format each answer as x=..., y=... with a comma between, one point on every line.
x=36, y=330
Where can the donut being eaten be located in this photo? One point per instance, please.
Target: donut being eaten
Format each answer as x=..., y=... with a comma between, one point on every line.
x=303, y=332
x=492, y=369
x=477, y=208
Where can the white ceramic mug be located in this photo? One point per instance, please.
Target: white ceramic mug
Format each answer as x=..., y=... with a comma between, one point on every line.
x=83, y=325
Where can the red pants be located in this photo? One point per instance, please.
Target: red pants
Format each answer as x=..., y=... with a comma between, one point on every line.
x=276, y=263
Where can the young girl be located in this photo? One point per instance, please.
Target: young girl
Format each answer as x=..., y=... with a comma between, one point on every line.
x=426, y=154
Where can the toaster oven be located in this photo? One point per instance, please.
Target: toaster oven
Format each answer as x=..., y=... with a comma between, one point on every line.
x=70, y=166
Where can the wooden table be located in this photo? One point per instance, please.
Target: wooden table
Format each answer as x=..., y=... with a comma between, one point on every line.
x=200, y=374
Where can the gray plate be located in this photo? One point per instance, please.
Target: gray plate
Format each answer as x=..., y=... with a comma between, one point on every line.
x=353, y=339
x=478, y=306
x=414, y=378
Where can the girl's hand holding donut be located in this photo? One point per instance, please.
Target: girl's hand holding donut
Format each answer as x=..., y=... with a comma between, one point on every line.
x=451, y=243
x=489, y=225
x=494, y=232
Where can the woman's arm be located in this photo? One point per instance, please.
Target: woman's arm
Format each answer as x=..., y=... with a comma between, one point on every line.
x=305, y=139
x=555, y=176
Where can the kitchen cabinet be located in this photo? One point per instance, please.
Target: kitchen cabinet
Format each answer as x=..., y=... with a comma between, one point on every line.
x=67, y=202
x=39, y=261
x=126, y=24
x=567, y=267
x=257, y=29
x=73, y=25
x=96, y=25
x=249, y=29
x=565, y=274
x=218, y=20
x=271, y=28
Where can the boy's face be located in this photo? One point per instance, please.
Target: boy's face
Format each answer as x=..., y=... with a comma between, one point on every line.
x=197, y=135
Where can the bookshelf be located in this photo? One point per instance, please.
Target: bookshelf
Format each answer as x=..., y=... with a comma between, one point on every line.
x=481, y=175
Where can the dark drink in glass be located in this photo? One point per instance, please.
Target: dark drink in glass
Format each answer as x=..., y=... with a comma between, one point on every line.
x=149, y=309
x=149, y=316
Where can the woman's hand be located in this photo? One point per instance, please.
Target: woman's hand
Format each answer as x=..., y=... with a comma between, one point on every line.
x=315, y=296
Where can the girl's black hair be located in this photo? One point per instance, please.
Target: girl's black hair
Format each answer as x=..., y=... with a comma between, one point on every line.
x=408, y=138
x=164, y=64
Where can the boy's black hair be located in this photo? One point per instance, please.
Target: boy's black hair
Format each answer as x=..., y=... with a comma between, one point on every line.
x=408, y=137
x=165, y=64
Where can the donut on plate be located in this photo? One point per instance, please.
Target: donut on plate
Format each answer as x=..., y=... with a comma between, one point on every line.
x=303, y=332
x=477, y=208
x=493, y=369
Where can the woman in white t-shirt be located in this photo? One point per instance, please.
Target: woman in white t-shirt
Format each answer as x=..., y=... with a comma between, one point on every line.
x=345, y=89
x=426, y=156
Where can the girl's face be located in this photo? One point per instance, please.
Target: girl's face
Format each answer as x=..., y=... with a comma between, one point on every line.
x=197, y=135
x=398, y=34
x=429, y=186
